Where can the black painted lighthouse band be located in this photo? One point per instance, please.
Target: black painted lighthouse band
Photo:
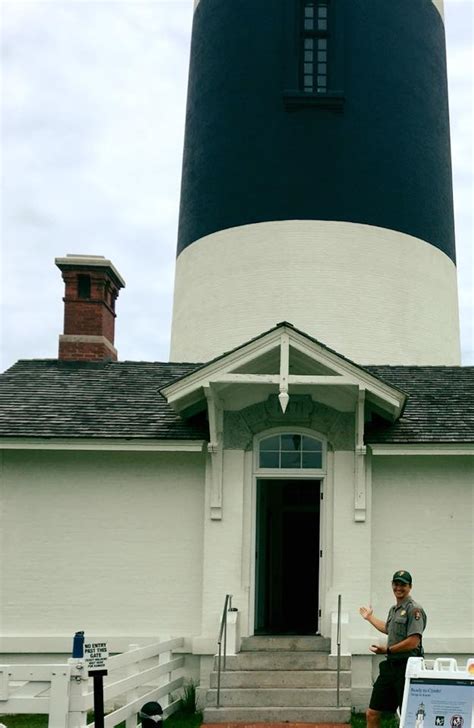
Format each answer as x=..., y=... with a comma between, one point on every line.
x=381, y=157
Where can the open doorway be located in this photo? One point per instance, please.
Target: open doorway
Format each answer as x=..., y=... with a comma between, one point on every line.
x=287, y=556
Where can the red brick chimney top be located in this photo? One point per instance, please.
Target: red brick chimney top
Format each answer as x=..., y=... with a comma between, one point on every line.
x=92, y=284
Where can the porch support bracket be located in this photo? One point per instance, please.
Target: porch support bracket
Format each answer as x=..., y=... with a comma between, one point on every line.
x=283, y=396
x=360, y=476
x=215, y=449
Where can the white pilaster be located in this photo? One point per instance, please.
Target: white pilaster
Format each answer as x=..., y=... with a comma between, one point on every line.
x=215, y=449
x=359, y=459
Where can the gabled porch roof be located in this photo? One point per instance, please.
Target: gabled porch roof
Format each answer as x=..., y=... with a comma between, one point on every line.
x=288, y=361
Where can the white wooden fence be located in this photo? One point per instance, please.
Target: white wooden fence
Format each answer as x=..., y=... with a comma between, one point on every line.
x=64, y=692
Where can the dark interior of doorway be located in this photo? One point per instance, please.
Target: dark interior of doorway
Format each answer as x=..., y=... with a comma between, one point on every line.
x=287, y=556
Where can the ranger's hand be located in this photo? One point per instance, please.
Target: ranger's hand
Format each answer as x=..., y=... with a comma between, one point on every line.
x=366, y=612
x=378, y=650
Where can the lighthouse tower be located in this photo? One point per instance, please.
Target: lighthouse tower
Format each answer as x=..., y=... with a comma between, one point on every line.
x=316, y=182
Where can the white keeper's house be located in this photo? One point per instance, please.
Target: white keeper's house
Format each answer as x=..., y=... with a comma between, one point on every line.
x=313, y=430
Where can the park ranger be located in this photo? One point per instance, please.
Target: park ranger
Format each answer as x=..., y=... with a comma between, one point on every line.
x=404, y=627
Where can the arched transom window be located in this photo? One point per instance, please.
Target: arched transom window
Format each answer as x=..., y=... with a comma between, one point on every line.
x=290, y=450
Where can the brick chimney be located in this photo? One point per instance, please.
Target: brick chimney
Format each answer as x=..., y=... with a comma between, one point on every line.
x=92, y=285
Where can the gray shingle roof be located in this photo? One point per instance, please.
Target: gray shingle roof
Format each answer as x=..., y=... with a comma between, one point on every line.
x=440, y=406
x=50, y=398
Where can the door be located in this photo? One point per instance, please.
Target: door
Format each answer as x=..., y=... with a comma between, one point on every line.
x=287, y=554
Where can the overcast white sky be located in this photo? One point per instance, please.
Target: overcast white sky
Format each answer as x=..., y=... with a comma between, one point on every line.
x=93, y=105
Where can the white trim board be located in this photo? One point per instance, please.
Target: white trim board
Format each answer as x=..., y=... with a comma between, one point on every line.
x=423, y=449
x=104, y=444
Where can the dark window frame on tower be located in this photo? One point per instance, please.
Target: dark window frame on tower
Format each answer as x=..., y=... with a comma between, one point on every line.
x=318, y=46
x=314, y=46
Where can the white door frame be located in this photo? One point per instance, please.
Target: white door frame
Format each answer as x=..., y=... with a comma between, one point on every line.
x=257, y=473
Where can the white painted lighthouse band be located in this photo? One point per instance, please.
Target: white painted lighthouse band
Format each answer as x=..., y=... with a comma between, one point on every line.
x=317, y=180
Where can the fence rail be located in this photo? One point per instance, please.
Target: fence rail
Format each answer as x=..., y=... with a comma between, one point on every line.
x=64, y=691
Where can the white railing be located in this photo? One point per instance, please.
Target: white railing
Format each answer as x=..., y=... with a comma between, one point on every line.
x=36, y=689
x=64, y=692
x=222, y=635
x=229, y=634
x=339, y=641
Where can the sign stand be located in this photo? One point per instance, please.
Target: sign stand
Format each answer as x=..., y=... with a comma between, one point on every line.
x=437, y=693
x=96, y=655
x=98, y=678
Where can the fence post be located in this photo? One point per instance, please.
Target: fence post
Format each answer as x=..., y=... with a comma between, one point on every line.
x=131, y=722
x=163, y=658
x=59, y=697
x=4, y=680
x=77, y=717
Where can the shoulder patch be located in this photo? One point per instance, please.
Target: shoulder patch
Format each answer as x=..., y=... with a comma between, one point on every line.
x=417, y=614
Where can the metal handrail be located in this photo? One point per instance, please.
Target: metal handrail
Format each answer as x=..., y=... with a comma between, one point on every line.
x=338, y=647
x=222, y=633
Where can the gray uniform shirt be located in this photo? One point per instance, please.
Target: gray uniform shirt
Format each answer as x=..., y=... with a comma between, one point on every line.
x=404, y=620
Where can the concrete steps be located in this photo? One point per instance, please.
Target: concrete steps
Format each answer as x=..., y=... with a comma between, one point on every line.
x=284, y=724
x=283, y=660
x=271, y=714
x=280, y=679
x=286, y=643
x=279, y=697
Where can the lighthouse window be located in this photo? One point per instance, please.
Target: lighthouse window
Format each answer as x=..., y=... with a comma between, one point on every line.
x=291, y=451
x=315, y=79
x=322, y=17
x=314, y=35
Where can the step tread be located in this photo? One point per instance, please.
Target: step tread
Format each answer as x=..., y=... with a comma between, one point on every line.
x=275, y=643
x=279, y=697
x=281, y=690
x=283, y=660
x=272, y=725
x=254, y=673
x=276, y=715
x=306, y=710
x=281, y=679
x=272, y=653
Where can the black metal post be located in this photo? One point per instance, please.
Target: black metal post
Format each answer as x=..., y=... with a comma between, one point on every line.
x=218, y=701
x=98, y=677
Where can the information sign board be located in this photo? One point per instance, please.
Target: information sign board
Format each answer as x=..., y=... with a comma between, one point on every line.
x=96, y=655
x=440, y=696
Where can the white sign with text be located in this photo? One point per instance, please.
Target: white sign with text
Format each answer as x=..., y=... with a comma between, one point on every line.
x=437, y=697
x=96, y=655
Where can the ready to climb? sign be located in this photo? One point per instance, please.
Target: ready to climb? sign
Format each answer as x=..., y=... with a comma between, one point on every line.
x=441, y=697
x=96, y=655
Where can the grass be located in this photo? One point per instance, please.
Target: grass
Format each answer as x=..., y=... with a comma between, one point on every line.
x=33, y=721
x=177, y=720
x=184, y=720
x=358, y=721
x=24, y=721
